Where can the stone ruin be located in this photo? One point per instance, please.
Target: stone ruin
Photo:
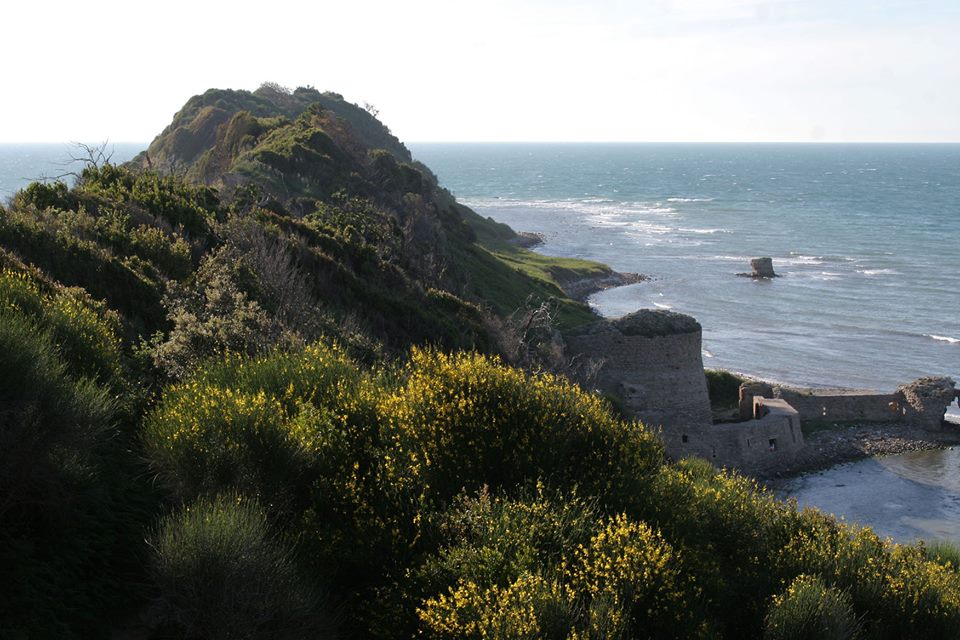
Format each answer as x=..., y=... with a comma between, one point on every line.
x=921, y=404
x=652, y=361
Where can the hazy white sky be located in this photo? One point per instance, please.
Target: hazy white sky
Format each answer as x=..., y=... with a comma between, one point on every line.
x=528, y=70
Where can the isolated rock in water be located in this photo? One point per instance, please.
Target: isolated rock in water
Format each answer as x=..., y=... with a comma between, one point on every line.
x=762, y=268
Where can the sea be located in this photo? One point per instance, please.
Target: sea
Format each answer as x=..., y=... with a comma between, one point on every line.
x=21, y=164
x=865, y=239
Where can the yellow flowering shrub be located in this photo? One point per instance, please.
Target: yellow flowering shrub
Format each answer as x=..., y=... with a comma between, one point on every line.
x=548, y=565
x=206, y=439
x=87, y=334
x=494, y=539
x=630, y=577
x=466, y=420
x=527, y=608
x=729, y=530
x=296, y=429
x=900, y=593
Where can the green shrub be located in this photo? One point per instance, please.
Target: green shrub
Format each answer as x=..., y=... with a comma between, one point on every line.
x=46, y=415
x=809, y=610
x=729, y=532
x=465, y=421
x=43, y=195
x=895, y=588
x=169, y=255
x=70, y=507
x=220, y=572
x=630, y=579
x=946, y=552
x=84, y=331
x=723, y=388
x=166, y=197
x=211, y=316
x=76, y=259
x=491, y=540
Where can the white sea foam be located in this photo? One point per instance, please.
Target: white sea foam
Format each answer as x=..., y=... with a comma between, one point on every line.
x=706, y=353
x=689, y=199
x=944, y=338
x=798, y=260
x=704, y=231
x=660, y=305
x=878, y=272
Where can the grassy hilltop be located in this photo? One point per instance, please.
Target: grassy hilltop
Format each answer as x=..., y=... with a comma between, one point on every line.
x=270, y=380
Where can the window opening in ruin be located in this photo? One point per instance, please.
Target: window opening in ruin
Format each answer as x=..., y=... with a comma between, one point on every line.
x=684, y=438
x=714, y=452
x=773, y=444
x=748, y=442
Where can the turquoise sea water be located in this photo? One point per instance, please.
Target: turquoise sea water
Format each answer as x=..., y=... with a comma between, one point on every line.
x=866, y=237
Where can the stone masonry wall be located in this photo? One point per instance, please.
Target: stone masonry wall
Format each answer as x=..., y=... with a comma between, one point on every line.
x=921, y=403
x=652, y=361
x=759, y=444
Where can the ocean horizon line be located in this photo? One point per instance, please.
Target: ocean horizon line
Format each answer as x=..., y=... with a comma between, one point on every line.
x=695, y=142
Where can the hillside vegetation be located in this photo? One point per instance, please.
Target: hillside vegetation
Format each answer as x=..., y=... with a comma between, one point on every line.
x=270, y=380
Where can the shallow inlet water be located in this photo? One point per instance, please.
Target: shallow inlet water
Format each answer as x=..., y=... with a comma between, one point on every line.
x=906, y=497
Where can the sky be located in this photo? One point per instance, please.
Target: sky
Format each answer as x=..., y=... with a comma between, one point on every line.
x=493, y=70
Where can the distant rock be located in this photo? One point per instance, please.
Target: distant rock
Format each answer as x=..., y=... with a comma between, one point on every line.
x=762, y=268
x=528, y=239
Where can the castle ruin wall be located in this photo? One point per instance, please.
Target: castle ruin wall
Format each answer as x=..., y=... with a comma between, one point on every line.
x=652, y=361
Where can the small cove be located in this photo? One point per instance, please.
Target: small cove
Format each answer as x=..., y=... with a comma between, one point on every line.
x=906, y=497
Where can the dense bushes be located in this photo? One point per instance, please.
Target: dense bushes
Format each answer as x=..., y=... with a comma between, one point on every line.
x=220, y=572
x=550, y=567
x=729, y=532
x=900, y=593
x=434, y=495
x=71, y=510
x=262, y=426
x=578, y=528
x=809, y=610
x=464, y=421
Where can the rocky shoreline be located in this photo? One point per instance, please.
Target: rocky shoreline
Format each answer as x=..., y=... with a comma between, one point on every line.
x=528, y=239
x=840, y=444
x=583, y=288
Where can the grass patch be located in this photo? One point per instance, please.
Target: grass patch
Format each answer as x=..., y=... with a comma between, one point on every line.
x=497, y=283
x=723, y=388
